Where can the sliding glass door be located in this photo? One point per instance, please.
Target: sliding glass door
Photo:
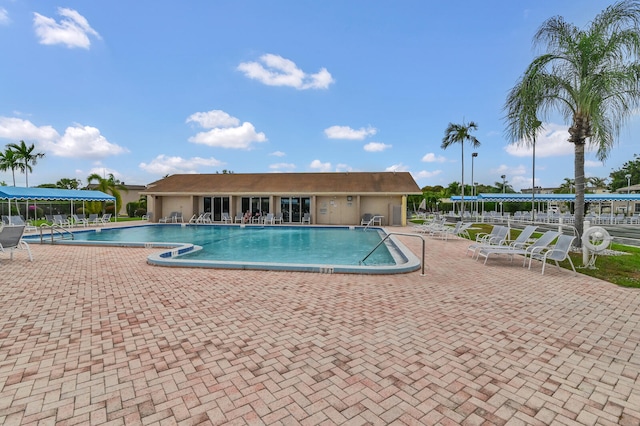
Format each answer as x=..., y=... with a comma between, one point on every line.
x=294, y=208
x=216, y=206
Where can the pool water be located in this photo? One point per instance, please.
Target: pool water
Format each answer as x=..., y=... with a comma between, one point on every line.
x=271, y=244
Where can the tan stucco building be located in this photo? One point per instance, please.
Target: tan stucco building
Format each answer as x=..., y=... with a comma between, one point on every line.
x=329, y=198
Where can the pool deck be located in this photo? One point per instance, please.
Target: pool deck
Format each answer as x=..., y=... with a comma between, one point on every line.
x=93, y=335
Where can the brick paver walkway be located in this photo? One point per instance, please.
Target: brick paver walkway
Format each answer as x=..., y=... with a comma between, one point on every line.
x=96, y=336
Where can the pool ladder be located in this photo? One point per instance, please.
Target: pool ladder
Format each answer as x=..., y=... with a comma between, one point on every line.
x=406, y=235
x=55, y=230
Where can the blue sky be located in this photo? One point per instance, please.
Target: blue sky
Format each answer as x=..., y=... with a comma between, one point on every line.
x=147, y=88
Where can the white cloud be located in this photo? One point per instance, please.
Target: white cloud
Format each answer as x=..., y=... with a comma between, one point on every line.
x=376, y=147
x=224, y=131
x=397, y=168
x=427, y=174
x=591, y=163
x=4, y=16
x=320, y=166
x=73, y=30
x=552, y=141
x=346, y=132
x=83, y=142
x=282, y=166
x=508, y=170
x=341, y=167
x=77, y=142
x=17, y=128
x=212, y=119
x=433, y=158
x=278, y=154
x=274, y=70
x=165, y=165
x=519, y=182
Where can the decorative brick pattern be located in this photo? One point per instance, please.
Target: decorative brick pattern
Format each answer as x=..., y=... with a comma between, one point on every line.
x=92, y=335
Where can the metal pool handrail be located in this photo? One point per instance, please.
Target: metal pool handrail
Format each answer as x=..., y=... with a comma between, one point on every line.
x=55, y=229
x=406, y=235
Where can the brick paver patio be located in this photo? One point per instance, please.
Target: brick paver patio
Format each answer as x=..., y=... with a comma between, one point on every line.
x=96, y=336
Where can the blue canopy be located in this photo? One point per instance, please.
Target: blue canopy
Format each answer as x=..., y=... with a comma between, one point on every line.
x=570, y=198
x=52, y=194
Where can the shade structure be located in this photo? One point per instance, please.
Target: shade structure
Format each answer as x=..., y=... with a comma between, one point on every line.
x=570, y=198
x=15, y=194
x=52, y=194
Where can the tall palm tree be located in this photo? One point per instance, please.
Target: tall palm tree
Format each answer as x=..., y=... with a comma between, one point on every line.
x=26, y=157
x=460, y=133
x=109, y=185
x=9, y=161
x=591, y=77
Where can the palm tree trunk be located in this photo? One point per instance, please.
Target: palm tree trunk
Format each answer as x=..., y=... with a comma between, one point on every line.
x=462, y=183
x=579, y=184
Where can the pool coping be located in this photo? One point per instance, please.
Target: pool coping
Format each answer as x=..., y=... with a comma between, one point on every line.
x=170, y=256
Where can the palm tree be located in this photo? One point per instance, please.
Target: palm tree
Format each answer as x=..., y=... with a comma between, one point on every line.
x=566, y=187
x=504, y=187
x=26, y=157
x=68, y=183
x=9, y=161
x=110, y=185
x=590, y=76
x=597, y=182
x=460, y=133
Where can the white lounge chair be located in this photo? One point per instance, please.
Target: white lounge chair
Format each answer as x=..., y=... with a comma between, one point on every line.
x=366, y=219
x=60, y=221
x=497, y=236
x=238, y=217
x=277, y=218
x=434, y=225
x=173, y=217
x=79, y=221
x=522, y=241
x=306, y=218
x=558, y=253
x=268, y=219
x=463, y=232
x=11, y=240
x=106, y=218
x=17, y=220
x=226, y=218
x=534, y=249
x=446, y=231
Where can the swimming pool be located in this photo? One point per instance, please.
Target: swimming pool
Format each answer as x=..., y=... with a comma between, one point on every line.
x=294, y=248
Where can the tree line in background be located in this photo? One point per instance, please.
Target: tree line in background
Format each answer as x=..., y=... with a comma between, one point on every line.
x=22, y=157
x=433, y=195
